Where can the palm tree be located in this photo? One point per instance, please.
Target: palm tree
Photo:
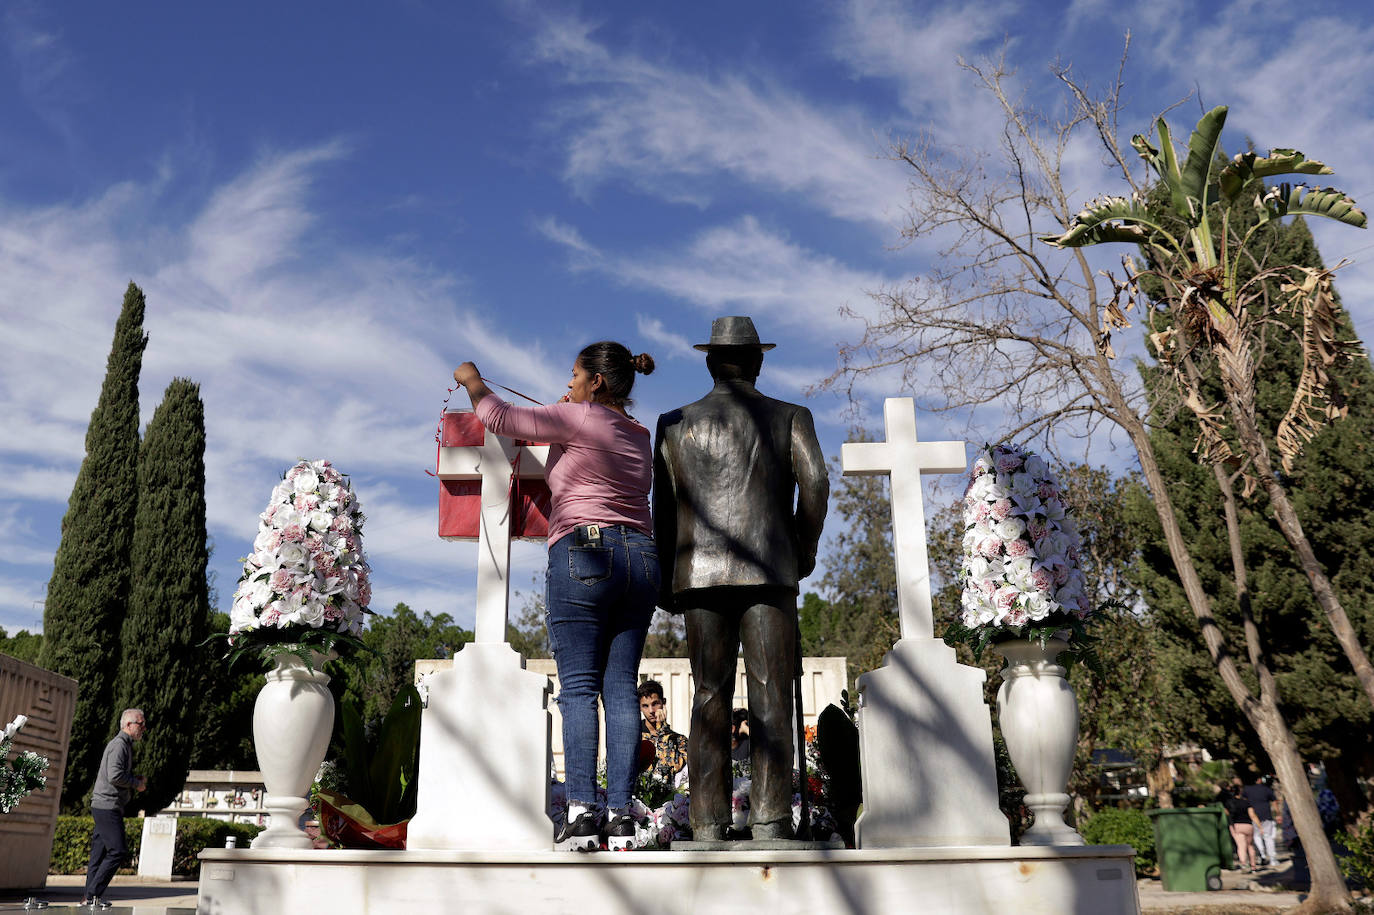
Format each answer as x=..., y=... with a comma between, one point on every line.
x=1209, y=311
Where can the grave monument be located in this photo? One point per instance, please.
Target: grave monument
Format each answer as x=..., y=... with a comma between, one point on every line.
x=930, y=840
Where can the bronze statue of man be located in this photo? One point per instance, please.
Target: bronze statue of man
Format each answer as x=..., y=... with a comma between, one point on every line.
x=740, y=490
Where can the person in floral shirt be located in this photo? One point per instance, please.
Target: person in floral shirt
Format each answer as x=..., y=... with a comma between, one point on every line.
x=670, y=747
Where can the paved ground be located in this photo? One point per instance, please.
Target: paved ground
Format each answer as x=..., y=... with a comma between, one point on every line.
x=129, y=894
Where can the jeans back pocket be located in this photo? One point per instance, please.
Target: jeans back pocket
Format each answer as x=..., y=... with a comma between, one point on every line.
x=589, y=564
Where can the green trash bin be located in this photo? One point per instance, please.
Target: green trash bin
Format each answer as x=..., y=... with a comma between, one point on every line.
x=1192, y=845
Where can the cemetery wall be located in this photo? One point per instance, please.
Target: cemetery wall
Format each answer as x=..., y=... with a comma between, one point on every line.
x=823, y=679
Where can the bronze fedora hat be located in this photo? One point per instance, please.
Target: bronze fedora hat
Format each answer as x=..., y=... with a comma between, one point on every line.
x=735, y=330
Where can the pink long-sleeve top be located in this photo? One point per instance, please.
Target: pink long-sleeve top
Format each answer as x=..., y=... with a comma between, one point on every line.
x=600, y=464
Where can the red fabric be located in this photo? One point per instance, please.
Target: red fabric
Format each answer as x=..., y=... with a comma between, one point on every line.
x=460, y=501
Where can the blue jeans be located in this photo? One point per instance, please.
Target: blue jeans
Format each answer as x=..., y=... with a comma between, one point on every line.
x=600, y=598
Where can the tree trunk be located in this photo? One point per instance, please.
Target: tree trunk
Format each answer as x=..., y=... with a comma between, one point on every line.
x=1328, y=892
x=1242, y=410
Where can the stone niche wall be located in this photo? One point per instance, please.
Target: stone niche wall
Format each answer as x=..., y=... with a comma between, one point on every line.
x=49, y=700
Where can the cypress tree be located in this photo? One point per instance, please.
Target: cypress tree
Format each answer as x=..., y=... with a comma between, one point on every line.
x=163, y=667
x=89, y=588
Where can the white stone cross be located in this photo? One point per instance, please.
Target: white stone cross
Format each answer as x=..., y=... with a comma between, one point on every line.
x=903, y=458
x=491, y=463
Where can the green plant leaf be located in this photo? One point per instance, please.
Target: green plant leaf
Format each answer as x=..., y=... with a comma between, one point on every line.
x=1202, y=152
x=1300, y=200
x=392, y=772
x=1245, y=166
x=355, y=753
x=1114, y=219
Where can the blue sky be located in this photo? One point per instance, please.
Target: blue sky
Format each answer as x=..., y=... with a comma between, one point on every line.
x=331, y=205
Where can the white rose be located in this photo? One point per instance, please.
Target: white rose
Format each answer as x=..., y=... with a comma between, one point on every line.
x=312, y=613
x=283, y=492
x=286, y=517
x=320, y=520
x=1010, y=529
x=293, y=556
x=1038, y=605
x=307, y=480
x=260, y=593
x=263, y=541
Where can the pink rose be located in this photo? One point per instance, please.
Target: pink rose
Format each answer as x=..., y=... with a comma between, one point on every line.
x=1006, y=597
x=1038, y=529
x=1061, y=573
x=981, y=512
x=281, y=581
x=990, y=547
x=1000, y=509
x=1016, y=617
x=293, y=533
x=1042, y=579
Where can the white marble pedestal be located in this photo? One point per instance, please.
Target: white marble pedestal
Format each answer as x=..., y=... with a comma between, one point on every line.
x=925, y=733
x=1097, y=880
x=484, y=751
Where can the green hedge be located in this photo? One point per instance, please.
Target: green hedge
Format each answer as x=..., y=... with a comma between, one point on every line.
x=71, y=844
x=1124, y=827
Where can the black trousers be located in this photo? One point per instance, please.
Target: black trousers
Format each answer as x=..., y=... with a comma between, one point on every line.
x=108, y=850
x=764, y=623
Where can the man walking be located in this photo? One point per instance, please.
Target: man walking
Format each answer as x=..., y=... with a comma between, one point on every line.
x=740, y=490
x=1261, y=798
x=115, y=786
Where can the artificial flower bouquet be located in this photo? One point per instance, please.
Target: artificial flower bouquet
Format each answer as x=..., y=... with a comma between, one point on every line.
x=23, y=774
x=1020, y=573
x=305, y=587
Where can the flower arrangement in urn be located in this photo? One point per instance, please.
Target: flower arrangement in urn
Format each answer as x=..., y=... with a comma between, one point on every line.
x=1020, y=573
x=21, y=775
x=305, y=587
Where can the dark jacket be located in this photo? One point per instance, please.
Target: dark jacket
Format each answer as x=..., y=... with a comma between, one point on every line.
x=740, y=490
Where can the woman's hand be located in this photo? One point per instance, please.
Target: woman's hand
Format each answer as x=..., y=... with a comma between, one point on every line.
x=471, y=379
x=466, y=373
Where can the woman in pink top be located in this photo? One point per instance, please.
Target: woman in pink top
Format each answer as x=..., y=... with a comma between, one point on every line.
x=603, y=571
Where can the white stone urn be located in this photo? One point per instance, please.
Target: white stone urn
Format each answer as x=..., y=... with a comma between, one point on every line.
x=292, y=721
x=1038, y=712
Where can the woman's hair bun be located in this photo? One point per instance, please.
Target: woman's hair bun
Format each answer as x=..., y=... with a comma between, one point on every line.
x=644, y=364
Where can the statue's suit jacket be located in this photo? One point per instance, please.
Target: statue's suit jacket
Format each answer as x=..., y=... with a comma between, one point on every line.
x=740, y=490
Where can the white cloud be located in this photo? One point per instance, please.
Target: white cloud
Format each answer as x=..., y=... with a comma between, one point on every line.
x=676, y=345
x=295, y=358
x=747, y=269
x=675, y=134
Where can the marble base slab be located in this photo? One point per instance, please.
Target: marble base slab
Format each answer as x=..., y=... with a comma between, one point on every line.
x=1094, y=880
x=731, y=845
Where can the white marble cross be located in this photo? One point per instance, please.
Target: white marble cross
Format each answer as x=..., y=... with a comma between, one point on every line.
x=903, y=458
x=491, y=463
